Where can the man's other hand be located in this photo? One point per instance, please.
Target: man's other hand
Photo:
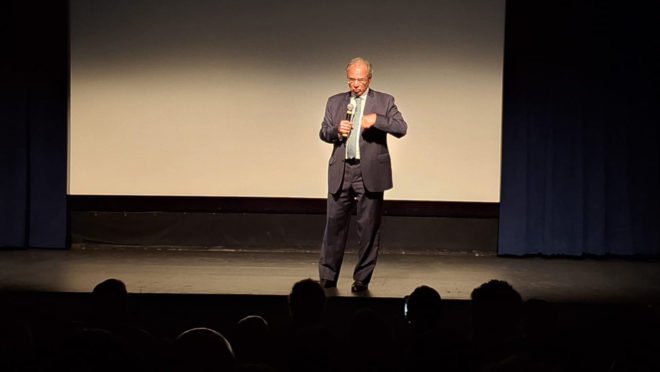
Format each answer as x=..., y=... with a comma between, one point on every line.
x=368, y=121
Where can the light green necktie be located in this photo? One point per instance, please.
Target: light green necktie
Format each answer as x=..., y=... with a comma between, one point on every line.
x=351, y=151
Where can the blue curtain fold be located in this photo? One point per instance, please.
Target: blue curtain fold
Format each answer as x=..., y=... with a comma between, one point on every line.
x=33, y=113
x=580, y=144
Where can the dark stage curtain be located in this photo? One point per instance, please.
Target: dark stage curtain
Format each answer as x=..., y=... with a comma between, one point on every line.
x=580, y=129
x=33, y=113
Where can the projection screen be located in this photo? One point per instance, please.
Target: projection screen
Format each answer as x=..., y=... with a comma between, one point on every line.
x=226, y=98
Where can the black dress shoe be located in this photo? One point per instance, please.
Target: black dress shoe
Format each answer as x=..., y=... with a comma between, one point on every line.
x=359, y=287
x=327, y=283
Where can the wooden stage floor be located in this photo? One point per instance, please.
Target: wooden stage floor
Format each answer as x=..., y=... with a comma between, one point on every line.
x=175, y=270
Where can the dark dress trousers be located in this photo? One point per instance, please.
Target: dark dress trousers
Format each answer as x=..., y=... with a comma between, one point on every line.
x=363, y=182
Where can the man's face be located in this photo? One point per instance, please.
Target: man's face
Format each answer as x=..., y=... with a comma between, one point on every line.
x=358, y=78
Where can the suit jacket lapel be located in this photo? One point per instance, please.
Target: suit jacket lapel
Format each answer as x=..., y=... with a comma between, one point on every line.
x=369, y=107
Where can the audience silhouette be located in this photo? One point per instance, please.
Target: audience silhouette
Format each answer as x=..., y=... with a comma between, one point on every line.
x=496, y=324
x=110, y=311
x=431, y=346
x=306, y=304
x=507, y=334
x=201, y=349
x=312, y=347
x=253, y=343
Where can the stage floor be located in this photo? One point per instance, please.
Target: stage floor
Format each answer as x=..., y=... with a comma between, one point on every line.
x=199, y=271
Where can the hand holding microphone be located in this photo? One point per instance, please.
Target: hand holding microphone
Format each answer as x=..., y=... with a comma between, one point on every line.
x=345, y=126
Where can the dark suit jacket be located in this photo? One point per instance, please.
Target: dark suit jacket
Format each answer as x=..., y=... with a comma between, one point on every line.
x=374, y=155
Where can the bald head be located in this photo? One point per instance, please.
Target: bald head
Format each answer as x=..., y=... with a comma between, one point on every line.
x=362, y=62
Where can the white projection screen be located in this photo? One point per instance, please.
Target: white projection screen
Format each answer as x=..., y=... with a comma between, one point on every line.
x=226, y=97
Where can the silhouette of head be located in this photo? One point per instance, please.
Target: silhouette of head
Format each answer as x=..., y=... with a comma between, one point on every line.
x=496, y=310
x=111, y=288
x=110, y=300
x=306, y=302
x=251, y=339
x=202, y=349
x=424, y=307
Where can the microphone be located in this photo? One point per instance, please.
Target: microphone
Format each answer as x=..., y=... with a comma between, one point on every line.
x=349, y=115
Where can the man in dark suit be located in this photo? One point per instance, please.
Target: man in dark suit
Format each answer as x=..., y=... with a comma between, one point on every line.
x=359, y=171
